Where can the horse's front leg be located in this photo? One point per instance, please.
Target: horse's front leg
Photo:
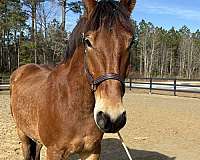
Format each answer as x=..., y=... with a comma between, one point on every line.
x=94, y=155
x=90, y=157
x=54, y=153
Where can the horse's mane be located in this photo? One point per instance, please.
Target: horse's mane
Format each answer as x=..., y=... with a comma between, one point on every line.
x=107, y=13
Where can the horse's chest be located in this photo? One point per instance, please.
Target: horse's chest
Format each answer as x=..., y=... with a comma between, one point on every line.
x=82, y=145
x=90, y=143
x=87, y=143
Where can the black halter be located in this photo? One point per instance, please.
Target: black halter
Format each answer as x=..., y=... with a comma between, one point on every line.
x=94, y=83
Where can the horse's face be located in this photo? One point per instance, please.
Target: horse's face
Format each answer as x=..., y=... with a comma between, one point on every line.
x=107, y=52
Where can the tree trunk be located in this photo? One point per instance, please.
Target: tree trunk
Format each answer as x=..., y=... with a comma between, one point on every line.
x=2, y=46
x=63, y=5
x=152, y=56
x=8, y=52
x=190, y=59
x=33, y=31
x=18, y=53
x=171, y=62
x=45, y=23
x=141, y=61
x=145, y=55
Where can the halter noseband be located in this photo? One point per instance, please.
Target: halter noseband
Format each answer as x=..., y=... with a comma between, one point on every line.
x=94, y=83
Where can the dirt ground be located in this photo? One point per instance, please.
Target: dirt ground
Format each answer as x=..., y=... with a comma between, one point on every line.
x=158, y=128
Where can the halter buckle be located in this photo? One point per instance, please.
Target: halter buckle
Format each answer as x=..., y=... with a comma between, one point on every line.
x=93, y=87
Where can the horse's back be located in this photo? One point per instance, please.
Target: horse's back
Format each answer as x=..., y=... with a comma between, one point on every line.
x=27, y=87
x=29, y=70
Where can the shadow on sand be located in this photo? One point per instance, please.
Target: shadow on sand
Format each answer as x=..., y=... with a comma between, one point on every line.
x=112, y=149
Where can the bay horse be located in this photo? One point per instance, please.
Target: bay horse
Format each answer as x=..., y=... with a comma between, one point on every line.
x=68, y=108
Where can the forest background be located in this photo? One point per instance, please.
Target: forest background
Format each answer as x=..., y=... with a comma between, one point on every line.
x=31, y=31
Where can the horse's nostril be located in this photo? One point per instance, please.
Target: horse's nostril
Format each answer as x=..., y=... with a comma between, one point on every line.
x=100, y=114
x=124, y=114
x=121, y=121
x=100, y=119
x=103, y=121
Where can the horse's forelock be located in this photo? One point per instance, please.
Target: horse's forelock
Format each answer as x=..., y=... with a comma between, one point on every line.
x=105, y=14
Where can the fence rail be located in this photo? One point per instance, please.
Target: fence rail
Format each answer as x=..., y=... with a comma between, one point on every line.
x=4, y=83
x=163, y=84
x=4, y=79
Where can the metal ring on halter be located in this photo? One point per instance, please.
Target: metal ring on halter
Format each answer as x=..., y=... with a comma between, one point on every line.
x=94, y=83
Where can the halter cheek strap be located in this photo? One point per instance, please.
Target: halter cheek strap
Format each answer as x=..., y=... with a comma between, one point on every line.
x=94, y=83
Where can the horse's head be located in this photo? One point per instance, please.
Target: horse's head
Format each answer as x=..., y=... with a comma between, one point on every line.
x=107, y=37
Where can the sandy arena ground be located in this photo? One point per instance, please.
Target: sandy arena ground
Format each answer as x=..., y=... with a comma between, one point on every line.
x=158, y=128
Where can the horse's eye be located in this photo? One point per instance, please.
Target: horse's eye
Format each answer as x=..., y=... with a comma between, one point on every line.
x=88, y=43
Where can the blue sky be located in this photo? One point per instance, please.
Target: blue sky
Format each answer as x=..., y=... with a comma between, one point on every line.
x=162, y=13
x=168, y=13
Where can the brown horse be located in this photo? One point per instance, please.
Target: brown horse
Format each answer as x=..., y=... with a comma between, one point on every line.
x=69, y=107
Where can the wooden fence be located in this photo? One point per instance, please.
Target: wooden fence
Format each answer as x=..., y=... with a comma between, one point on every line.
x=165, y=84
x=162, y=84
x=4, y=83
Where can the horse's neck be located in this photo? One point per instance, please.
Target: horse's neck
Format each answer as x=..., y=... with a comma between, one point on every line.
x=73, y=67
x=72, y=75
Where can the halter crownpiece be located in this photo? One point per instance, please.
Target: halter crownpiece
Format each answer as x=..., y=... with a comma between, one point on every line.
x=94, y=83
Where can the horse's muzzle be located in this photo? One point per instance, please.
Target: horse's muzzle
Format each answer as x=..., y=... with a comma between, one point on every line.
x=107, y=125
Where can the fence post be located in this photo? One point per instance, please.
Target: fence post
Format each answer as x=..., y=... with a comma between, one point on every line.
x=175, y=87
x=130, y=84
x=150, y=88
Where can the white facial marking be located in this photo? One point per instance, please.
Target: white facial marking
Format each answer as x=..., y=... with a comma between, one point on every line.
x=102, y=105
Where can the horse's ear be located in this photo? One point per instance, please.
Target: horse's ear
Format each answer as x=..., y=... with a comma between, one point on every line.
x=129, y=4
x=89, y=5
